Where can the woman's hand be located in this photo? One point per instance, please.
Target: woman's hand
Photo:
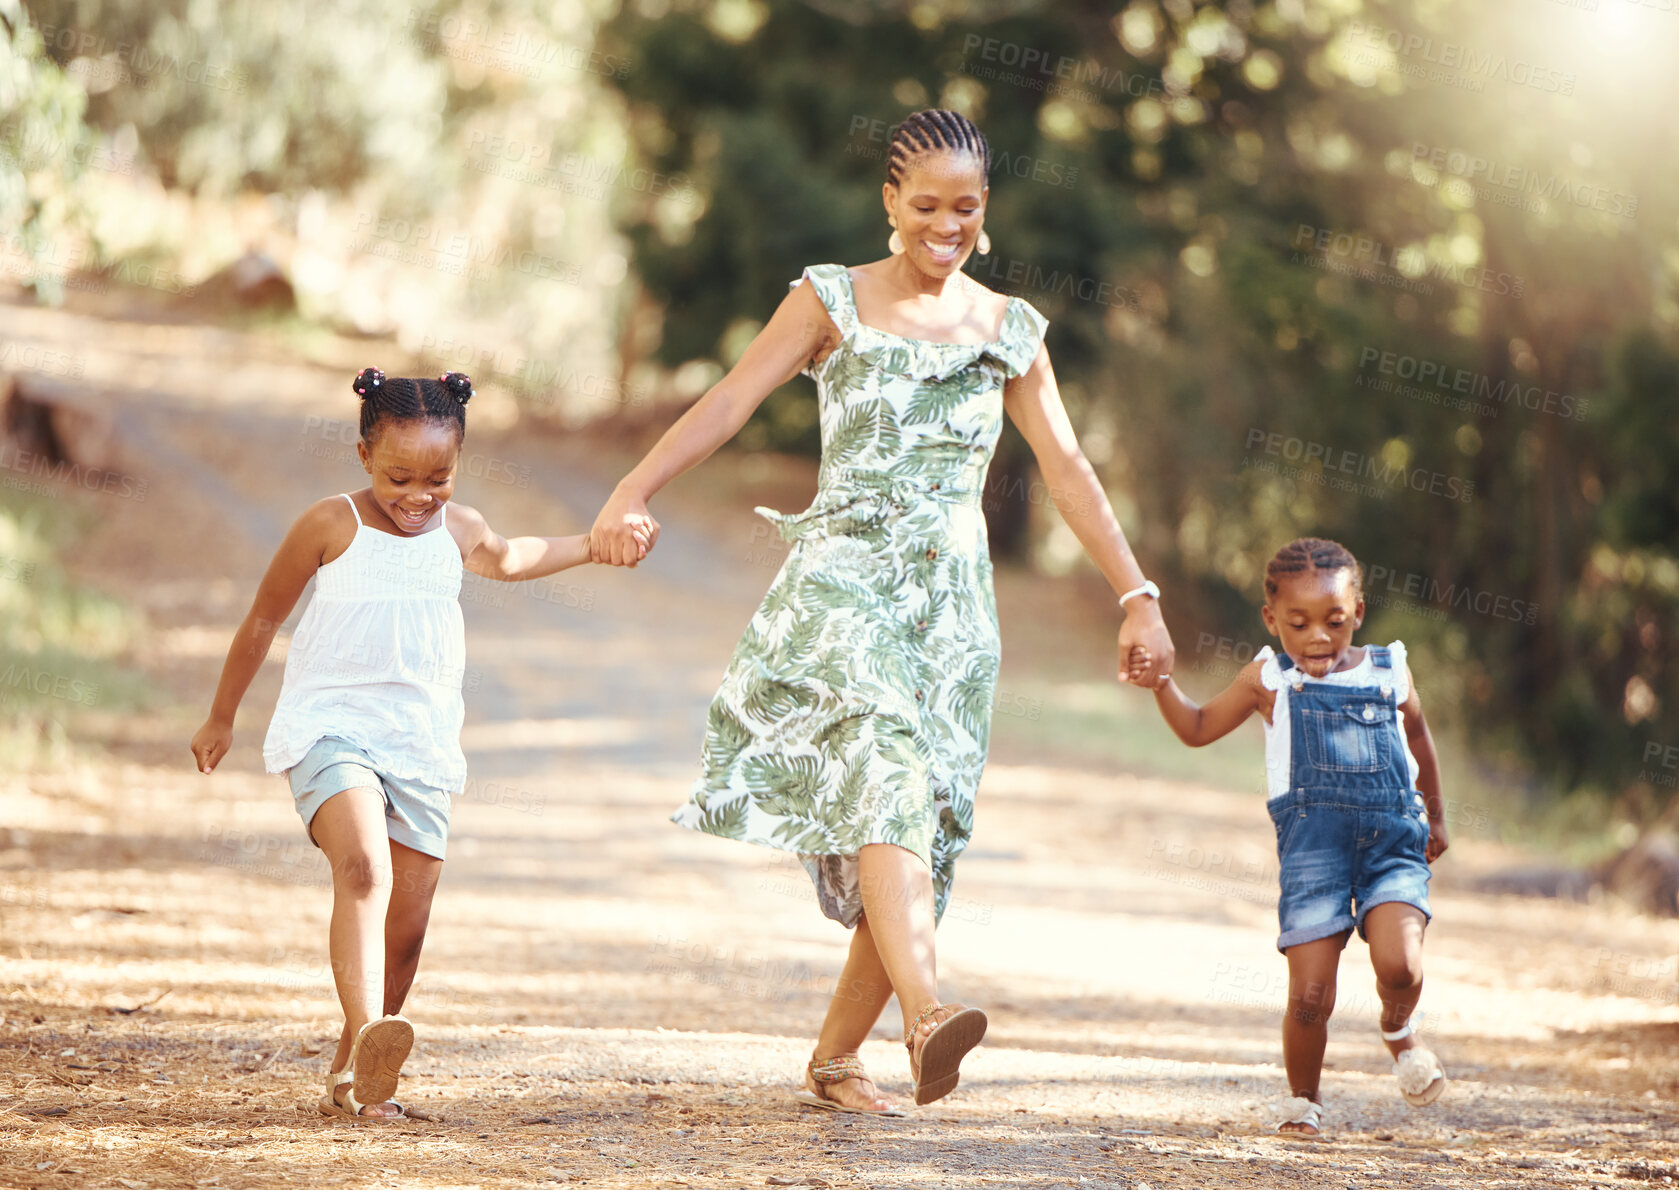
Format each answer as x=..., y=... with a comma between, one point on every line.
x=1145, y=647
x=624, y=532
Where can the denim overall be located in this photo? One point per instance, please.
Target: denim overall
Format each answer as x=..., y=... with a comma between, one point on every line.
x=1352, y=832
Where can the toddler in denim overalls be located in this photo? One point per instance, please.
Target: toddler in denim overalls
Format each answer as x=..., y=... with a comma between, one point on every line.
x=1350, y=824
x=1354, y=788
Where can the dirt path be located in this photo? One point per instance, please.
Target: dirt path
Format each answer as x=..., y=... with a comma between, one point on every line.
x=607, y=1000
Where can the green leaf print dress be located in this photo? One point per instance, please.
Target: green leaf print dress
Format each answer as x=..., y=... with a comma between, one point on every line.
x=857, y=706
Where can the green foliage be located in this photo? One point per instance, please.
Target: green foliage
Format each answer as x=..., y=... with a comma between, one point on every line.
x=281, y=96
x=41, y=609
x=43, y=143
x=443, y=171
x=61, y=643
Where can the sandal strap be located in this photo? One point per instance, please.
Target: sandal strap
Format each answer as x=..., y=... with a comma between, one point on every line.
x=915, y=1025
x=1300, y=1110
x=344, y=1078
x=836, y=1069
x=347, y=1078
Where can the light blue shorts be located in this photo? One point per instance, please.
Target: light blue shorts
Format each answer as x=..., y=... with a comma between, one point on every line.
x=416, y=815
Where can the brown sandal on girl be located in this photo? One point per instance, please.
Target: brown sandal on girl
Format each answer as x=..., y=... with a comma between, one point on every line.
x=937, y=1068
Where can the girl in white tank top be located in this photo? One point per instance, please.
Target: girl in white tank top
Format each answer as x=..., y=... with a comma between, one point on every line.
x=378, y=657
x=368, y=723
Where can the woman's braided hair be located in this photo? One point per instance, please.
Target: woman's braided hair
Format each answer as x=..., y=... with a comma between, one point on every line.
x=397, y=398
x=934, y=130
x=1311, y=553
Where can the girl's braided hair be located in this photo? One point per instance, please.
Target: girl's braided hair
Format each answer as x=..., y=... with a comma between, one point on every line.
x=1311, y=553
x=931, y=131
x=396, y=398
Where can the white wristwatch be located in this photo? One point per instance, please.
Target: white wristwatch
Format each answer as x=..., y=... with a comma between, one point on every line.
x=1148, y=588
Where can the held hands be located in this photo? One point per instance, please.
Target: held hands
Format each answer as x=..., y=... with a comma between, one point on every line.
x=624, y=532
x=210, y=743
x=1145, y=649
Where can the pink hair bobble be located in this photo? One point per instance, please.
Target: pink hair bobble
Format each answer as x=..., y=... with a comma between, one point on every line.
x=366, y=381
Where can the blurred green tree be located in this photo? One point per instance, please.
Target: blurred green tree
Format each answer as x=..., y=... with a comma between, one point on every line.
x=437, y=171
x=43, y=143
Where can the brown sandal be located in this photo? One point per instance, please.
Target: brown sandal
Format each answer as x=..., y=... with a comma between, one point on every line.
x=938, y=1067
x=836, y=1070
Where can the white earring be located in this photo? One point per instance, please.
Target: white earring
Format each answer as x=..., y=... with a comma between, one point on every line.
x=896, y=244
x=983, y=244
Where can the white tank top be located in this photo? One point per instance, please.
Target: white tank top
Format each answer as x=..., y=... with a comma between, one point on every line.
x=379, y=657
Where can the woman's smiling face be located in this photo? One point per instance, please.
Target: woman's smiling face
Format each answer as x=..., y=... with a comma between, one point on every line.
x=412, y=465
x=939, y=207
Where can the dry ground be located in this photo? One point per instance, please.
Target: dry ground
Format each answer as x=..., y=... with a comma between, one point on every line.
x=608, y=1001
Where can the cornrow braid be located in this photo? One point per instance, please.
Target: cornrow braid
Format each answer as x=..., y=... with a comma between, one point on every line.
x=1311, y=553
x=934, y=130
x=399, y=398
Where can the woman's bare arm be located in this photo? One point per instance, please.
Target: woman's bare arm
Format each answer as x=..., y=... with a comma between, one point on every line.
x=799, y=330
x=1033, y=401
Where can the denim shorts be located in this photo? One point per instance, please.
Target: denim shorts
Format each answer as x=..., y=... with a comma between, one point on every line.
x=416, y=815
x=1342, y=854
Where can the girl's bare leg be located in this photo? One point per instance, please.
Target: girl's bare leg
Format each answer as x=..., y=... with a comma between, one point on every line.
x=1311, y=998
x=1394, y=931
x=350, y=828
x=414, y=883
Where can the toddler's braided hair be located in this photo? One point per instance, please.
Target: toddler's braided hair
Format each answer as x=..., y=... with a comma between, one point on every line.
x=397, y=398
x=934, y=130
x=1311, y=553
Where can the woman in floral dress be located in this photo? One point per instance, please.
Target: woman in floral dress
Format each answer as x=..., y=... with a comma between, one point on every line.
x=853, y=721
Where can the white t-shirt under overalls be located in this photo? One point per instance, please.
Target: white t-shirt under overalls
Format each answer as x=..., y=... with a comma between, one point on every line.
x=1277, y=740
